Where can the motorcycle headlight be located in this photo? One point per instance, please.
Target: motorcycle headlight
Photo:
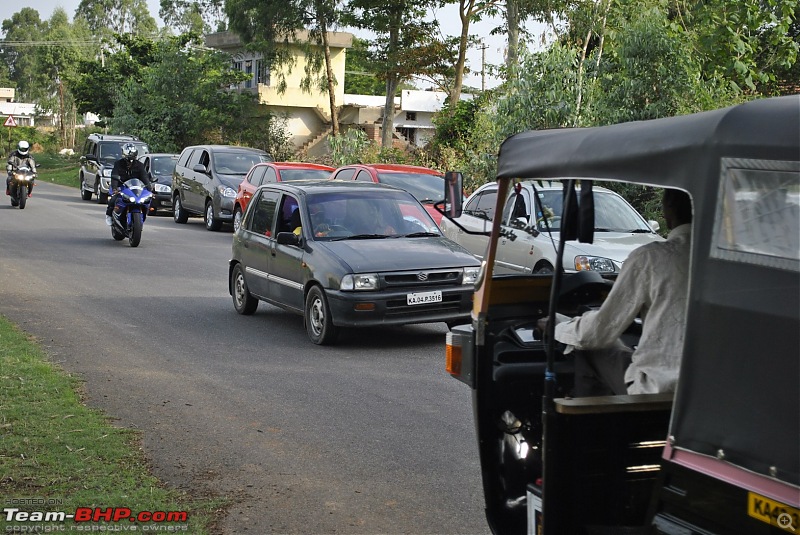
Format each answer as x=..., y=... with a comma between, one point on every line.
x=594, y=263
x=162, y=188
x=226, y=191
x=131, y=199
x=361, y=281
x=470, y=275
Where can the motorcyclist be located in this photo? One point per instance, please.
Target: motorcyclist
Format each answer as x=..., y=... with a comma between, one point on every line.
x=21, y=157
x=125, y=168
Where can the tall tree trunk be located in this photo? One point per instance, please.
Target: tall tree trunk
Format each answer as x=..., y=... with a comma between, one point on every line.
x=512, y=20
x=387, y=126
x=329, y=74
x=465, y=10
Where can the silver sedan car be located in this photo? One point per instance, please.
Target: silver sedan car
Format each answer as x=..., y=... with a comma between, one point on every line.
x=531, y=219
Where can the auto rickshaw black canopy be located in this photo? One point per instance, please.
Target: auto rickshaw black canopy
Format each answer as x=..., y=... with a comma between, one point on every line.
x=738, y=397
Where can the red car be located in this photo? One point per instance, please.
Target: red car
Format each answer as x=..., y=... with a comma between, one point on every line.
x=265, y=173
x=423, y=183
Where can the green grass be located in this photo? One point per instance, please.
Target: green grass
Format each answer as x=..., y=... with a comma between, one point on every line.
x=64, y=455
x=57, y=169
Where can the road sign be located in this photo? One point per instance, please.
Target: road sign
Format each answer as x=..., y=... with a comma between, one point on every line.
x=10, y=121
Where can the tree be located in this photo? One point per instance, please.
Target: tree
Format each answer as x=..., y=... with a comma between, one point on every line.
x=361, y=76
x=262, y=24
x=405, y=45
x=182, y=99
x=193, y=16
x=106, y=17
x=22, y=31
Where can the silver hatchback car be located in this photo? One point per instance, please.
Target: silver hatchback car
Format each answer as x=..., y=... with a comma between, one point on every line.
x=530, y=243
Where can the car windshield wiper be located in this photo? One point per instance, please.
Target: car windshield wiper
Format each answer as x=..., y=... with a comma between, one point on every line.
x=426, y=201
x=639, y=231
x=417, y=235
x=362, y=237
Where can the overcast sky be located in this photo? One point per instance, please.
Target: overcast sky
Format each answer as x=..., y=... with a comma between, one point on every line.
x=448, y=18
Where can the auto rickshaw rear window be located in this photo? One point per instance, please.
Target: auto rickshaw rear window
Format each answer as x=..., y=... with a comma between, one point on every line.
x=758, y=213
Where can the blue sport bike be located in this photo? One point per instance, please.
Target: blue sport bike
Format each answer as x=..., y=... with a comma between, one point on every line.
x=130, y=211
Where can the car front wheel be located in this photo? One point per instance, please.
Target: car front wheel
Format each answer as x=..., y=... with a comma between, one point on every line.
x=178, y=213
x=243, y=301
x=318, y=320
x=212, y=223
x=237, y=219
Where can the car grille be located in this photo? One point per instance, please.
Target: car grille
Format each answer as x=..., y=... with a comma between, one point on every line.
x=422, y=278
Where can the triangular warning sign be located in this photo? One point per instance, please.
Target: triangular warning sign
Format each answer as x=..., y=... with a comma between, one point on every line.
x=10, y=121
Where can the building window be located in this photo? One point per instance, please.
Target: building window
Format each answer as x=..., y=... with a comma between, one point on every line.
x=248, y=69
x=411, y=116
x=262, y=73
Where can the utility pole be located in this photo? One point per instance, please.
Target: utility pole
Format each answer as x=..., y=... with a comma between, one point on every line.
x=484, y=46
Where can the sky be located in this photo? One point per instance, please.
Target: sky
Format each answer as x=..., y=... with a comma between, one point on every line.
x=447, y=16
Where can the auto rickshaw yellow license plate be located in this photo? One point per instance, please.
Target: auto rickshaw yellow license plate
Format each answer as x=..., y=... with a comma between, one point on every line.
x=774, y=513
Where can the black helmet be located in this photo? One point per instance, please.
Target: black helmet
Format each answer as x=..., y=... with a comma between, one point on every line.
x=23, y=147
x=129, y=151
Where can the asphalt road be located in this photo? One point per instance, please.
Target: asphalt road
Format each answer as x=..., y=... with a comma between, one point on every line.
x=368, y=436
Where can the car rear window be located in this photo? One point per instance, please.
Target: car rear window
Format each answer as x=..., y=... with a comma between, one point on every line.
x=288, y=175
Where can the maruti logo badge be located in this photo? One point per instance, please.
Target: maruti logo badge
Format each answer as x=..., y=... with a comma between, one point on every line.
x=422, y=276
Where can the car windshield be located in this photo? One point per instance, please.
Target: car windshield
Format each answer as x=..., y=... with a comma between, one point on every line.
x=113, y=151
x=612, y=213
x=163, y=165
x=236, y=163
x=426, y=188
x=288, y=175
x=368, y=215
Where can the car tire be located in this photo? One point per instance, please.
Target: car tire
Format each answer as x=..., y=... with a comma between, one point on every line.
x=318, y=319
x=243, y=301
x=178, y=213
x=237, y=219
x=86, y=195
x=212, y=223
x=102, y=198
x=543, y=269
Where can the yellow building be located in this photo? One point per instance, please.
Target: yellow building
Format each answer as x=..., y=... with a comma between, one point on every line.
x=308, y=114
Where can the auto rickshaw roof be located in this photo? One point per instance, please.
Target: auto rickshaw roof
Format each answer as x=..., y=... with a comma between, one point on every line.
x=738, y=396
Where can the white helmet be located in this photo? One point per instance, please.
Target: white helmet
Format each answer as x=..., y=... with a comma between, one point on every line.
x=23, y=147
x=129, y=151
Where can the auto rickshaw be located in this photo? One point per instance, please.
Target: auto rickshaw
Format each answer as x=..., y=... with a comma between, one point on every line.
x=720, y=454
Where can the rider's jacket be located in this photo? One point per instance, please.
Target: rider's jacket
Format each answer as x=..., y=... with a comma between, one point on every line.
x=17, y=160
x=121, y=172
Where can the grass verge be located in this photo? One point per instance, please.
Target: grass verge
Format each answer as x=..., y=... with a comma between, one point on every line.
x=57, y=455
x=57, y=169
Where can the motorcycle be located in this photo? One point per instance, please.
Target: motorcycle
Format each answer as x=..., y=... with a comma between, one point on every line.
x=21, y=180
x=130, y=211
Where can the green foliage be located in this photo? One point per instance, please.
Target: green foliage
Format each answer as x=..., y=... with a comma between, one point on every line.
x=361, y=77
x=183, y=99
x=350, y=147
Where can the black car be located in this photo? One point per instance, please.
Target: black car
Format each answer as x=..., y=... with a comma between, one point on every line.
x=100, y=153
x=348, y=254
x=206, y=178
x=159, y=167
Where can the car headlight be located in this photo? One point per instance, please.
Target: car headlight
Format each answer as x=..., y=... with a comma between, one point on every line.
x=106, y=172
x=470, y=275
x=226, y=191
x=361, y=281
x=594, y=263
x=162, y=188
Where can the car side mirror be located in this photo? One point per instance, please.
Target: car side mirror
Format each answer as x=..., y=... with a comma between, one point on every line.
x=654, y=225
x=288, y=238
x=453, y=190
x=91, y=157
x=200, y=168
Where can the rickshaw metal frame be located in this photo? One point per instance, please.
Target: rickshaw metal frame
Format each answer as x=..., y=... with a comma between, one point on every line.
x=738, y=312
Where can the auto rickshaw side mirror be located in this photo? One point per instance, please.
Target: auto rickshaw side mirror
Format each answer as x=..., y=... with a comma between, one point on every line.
x=453, y=194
